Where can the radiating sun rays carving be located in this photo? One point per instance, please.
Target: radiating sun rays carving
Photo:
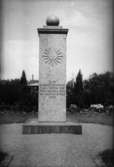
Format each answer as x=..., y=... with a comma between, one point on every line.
x=52, y=56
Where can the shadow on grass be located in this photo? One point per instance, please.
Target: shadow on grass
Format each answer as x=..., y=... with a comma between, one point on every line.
x=107, y=157
x=5, y=159
x=3, y=155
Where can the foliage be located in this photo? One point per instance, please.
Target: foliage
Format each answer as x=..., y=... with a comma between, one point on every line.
x=69, y=92
x=78, y=84
x=101, y=88
x=17, y=93
x=23, y=78
x=75, y=91
x=98, y=89
x=10, y=91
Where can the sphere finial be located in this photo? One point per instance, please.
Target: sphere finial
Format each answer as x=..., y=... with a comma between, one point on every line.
x=52, y=21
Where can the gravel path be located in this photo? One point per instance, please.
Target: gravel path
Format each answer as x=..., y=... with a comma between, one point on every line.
x=55, y=150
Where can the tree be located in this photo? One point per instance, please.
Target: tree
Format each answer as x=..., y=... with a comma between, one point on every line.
x=101, y=88
x=78, y=90
x=78, y=85
x=69, y=92
x=23, y=78
x=98, y=89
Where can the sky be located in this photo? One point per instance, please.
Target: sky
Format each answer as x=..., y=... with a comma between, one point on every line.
x=89, y=40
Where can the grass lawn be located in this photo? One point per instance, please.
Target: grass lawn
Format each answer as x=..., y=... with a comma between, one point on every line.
x=85, y=117
x=91, y=117
x=15, y=116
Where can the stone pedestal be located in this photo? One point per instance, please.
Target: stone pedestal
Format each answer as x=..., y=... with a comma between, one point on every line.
x=35, y=127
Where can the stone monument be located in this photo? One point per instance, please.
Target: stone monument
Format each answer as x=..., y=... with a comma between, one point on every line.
x=52, y=83
x=52, y=71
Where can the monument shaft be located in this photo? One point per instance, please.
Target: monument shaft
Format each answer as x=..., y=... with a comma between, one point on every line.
x=52, y=74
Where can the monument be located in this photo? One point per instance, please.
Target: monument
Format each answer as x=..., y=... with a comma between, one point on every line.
x=52, y=71
x=52, y=82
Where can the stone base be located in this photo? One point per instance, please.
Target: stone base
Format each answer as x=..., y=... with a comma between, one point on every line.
x=36, y=127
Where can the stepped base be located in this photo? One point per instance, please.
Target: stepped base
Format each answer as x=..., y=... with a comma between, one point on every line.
x=35, y=127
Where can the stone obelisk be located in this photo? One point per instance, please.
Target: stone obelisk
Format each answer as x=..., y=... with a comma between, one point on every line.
x=52, y=83
x=52, y=71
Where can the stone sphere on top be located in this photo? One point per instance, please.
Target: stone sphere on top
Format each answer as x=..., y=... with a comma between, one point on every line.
x=52, y=21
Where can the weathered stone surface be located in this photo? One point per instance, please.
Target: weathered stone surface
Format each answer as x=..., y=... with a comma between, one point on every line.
x=52, y=74
x=45, y=128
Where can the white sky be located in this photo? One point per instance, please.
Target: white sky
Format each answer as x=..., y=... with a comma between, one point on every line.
x=89, y=41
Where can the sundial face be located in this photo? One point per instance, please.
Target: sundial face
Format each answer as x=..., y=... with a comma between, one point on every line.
x=52, y=56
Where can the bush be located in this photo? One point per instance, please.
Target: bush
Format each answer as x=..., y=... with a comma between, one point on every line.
x=98, y=89
x=73, y=108
x=16, y=96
